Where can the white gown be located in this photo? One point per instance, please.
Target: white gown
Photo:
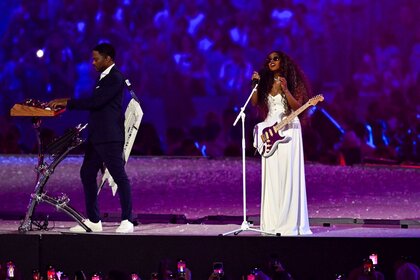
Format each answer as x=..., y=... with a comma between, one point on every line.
x=283, y=198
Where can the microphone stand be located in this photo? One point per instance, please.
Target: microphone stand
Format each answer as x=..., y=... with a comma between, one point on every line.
x=245, y=226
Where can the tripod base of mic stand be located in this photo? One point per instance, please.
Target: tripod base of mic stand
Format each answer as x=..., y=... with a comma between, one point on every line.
x=247, y=227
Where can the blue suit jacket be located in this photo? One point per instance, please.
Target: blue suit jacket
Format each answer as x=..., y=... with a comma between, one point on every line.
x=106, y=120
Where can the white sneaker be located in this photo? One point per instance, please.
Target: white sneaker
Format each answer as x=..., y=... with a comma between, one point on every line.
x=95, y=227
x=125, y=227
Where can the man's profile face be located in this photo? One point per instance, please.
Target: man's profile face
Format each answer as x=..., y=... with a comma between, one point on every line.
x=100, y=62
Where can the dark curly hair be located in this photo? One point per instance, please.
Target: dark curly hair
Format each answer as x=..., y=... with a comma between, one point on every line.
x=296, y=82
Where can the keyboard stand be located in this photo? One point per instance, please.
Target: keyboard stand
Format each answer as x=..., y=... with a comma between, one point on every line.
x=44, y=171
x=58, y=150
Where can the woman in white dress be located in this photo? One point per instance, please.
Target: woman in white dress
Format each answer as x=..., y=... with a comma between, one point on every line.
x=282, y=89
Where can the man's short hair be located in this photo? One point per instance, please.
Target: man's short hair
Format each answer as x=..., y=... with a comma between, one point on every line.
x=105, y=49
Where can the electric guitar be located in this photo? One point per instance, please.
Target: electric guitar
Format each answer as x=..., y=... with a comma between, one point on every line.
x=271, y=135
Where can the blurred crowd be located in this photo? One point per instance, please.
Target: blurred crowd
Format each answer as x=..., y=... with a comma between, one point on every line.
x=270, y=269
x=362, y=55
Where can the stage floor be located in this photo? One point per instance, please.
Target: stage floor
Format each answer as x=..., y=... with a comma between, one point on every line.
x=185, y=204
x=193, y=191
x=167, y=229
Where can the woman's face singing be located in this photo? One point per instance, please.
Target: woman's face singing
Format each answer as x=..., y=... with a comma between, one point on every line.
x=273, y=61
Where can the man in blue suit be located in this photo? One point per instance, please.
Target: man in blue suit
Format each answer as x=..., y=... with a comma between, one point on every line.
x=105, y=138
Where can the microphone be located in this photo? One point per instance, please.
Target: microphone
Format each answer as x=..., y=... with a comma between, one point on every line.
x=255, y=82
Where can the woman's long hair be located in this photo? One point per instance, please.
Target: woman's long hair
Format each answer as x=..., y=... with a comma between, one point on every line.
x=296, y=82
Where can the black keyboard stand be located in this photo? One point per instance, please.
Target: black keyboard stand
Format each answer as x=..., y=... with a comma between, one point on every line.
x=58, y=150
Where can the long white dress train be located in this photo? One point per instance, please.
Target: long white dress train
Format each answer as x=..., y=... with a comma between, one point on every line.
x=283, y=198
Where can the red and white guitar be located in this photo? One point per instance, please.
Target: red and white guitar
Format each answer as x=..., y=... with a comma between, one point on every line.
x=271, y=135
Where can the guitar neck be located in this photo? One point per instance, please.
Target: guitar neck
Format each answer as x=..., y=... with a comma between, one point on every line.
x=290, y=117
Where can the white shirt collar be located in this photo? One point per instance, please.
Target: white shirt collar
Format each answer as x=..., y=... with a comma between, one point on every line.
x=106, y=71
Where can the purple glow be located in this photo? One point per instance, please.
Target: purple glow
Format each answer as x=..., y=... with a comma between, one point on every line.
x=362, y=55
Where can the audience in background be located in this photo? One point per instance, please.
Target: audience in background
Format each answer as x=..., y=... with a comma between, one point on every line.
x=181, y=50
x=366, y=271
x=271, y=269
x=406, y=270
